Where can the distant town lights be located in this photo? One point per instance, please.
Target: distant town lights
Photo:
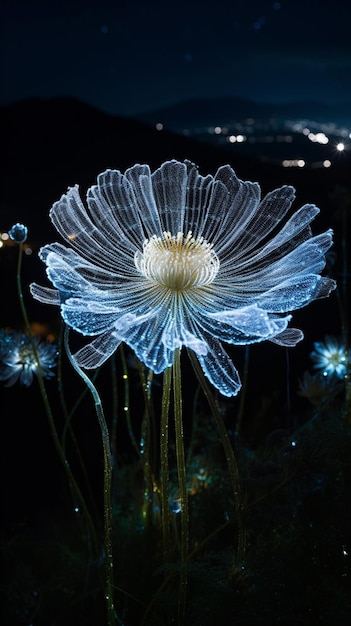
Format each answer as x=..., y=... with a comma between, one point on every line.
x=318, y=138
x=236, y=138
x=293, y=163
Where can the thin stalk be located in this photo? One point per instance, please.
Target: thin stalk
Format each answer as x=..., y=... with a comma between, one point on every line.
x=68, y=424
x=346, y=317
x=126, y=406
x=183, y=494
x=114, y=418
x=242, y=394
x=77, y=495
x=151, y=488
x=167, y=381
x=189, y=455
x=111, y=614
x=229, y=454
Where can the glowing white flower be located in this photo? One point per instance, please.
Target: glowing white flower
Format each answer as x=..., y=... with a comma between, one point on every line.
x=171, y=258
x=17, y=358
x=330, y=357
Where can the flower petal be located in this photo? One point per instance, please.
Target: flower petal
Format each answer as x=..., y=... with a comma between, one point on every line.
x=295, y=293
x=289, y=337
x=94, y=354
x=144, y=334
x=89, y=317
x=169, y=185
x=45, y=294
x=219, y=369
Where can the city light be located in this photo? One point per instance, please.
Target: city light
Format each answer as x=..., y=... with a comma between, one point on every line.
x=293, y=163
x=318, y=138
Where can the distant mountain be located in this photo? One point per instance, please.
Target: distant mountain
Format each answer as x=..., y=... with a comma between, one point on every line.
x=220, y=111
x=48, y=145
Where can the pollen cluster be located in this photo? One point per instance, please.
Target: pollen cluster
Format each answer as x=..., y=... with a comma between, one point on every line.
x=176, y=262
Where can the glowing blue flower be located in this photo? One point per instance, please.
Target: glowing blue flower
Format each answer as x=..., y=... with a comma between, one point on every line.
x=18, y=233
x=330, y=357
x=171, y=258
x=17, y=358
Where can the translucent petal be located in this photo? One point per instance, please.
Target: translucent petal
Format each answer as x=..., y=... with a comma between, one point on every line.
x=145, y=337
x=26, y=376
x=169, y=185
x=292, y=294
x=308, y=258
x=118, y=209
x=256, y=223
x=251, y=321
x=98, y=351
x=233, y=328
x=185, y=338
x=73, y=222
x=229, y=210
x=45, y=294
x=199, y=189
x=219, y=369
x=144, y=200
x=289, y=337
x=286, y=239
x=89, y=317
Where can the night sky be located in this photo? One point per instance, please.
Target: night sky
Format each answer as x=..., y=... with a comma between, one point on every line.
x=130, y=56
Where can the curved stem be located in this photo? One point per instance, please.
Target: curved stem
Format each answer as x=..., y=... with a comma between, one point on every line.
x=229, y=454
x=68, y=428
x=107, y=484
x=183, y=494
x=77, y=495
x=242, y=393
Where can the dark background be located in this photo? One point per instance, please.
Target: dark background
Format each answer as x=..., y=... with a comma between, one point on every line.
x=72, y=76
x=129, y=56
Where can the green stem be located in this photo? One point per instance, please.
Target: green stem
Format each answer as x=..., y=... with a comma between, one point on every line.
x=242, y=394
x=167, y=380
x=68, y=428
x=183, y=494
x=126, y=406
x=151, y=490
x=107, y=484
x=346, y=317
x=114, y=421
x=77, y=495
x=229, y=454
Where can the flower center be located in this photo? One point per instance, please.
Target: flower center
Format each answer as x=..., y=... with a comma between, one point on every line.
x=177, y=262
x=26, y=356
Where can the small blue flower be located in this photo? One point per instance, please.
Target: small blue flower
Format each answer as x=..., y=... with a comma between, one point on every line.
x=17, y=358
x=18, y=233
x=171, y=258
x=330, y=357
